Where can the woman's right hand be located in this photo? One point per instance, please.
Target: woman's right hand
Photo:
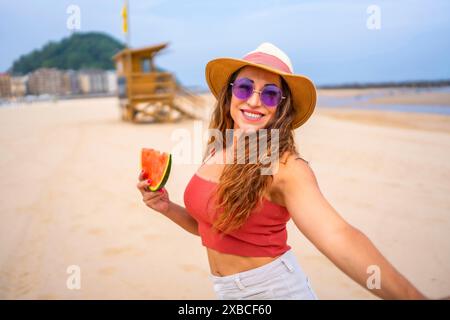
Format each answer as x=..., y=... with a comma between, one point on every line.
x=158, y=201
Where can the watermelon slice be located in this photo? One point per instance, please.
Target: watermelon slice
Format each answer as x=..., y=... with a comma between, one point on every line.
x=157, y=167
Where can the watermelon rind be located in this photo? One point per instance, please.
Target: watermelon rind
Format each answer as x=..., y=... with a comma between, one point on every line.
x=165, y=176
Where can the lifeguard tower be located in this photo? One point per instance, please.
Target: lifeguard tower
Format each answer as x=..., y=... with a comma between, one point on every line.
x=146, y=93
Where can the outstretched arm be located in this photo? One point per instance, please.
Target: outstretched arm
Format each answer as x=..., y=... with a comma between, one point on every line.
x=347, y=247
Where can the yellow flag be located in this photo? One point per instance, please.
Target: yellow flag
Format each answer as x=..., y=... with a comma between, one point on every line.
x=124, y=17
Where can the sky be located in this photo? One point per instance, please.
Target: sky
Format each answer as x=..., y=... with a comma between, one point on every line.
x=331, y=42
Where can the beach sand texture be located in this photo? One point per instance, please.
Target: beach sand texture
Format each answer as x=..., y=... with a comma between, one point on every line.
x=69, y=171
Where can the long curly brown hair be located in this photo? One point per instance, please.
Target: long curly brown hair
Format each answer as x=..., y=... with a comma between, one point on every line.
x=241, y=185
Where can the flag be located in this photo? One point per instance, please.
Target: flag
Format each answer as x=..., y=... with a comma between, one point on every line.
x=125, y=18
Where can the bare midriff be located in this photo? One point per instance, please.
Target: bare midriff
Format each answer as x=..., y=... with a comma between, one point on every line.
x=223, y=264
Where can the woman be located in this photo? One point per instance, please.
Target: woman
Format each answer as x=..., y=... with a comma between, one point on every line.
x=241, y=214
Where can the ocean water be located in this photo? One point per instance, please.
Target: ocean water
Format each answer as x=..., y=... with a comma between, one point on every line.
x=362, y=101
x=435, y=109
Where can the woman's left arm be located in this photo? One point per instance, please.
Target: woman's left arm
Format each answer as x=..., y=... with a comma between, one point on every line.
x=347, y=247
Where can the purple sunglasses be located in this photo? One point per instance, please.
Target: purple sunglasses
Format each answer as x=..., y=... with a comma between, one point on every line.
x=243, y=89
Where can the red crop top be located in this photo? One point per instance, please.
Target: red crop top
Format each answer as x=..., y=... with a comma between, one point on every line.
x=264, y=234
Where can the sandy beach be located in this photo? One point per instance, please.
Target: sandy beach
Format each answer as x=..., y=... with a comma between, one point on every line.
x=69, y=170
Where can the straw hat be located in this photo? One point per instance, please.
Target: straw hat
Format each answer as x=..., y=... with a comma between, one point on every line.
x=270, y=58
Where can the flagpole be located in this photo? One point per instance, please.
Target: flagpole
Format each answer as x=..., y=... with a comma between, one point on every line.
x=127, y=5
x=126, y=30
x=126, y=22
x=129, y=68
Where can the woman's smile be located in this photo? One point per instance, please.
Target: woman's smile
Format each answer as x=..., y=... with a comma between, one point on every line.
x=252, y=116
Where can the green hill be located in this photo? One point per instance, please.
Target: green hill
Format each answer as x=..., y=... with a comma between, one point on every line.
x=79, y=51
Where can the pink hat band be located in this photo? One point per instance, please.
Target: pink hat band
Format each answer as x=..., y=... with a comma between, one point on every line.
x=267, y=60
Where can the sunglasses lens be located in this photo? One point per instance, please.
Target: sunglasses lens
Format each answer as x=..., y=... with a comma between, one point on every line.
x=243, y=88
x=271, y=96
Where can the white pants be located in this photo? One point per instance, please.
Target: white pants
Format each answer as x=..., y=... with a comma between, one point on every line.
x=283, y=278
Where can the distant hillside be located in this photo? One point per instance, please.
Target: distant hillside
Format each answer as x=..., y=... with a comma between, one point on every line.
x=79, y=51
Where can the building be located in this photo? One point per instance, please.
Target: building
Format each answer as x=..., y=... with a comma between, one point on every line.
x=71, y=83
x=111, y=79
x=19, y=86
x=93, y=81
x=5, y=85
x=46, y=81
x=84, y=82
x=59, y=82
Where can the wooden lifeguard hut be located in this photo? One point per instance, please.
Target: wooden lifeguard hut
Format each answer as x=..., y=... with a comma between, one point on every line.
x=145, y=92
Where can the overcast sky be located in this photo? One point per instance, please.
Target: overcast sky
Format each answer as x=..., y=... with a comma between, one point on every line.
x=327, y=40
